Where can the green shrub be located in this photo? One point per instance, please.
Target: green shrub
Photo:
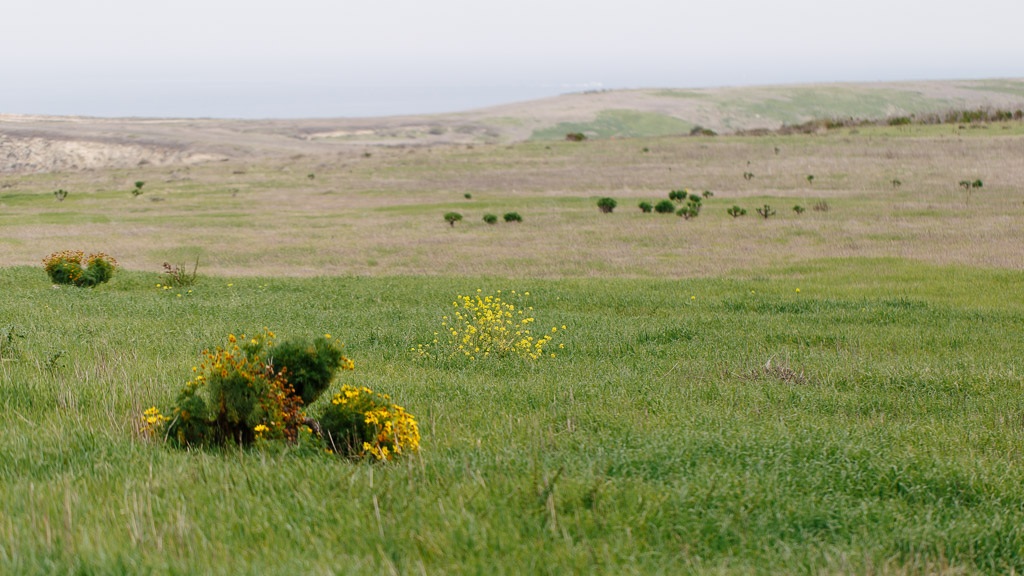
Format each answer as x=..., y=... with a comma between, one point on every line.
x=359, y=422
x=60, y=195
x=646, y=207
x=665, y=207
x=707, y=194
x=137, y=191
x=245, y=391
x=452, y=218
x=67, y=268
x=513, y=217
x=606, y=205
x=490, y=218
x=309, y=366
x=799, y=209
x=736, y=211
x=766, y=211
x=678, y=195
x=467, y=196
x=575, y=136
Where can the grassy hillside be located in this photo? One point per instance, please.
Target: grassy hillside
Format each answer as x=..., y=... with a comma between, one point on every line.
x=826, y=417
x=836, y=390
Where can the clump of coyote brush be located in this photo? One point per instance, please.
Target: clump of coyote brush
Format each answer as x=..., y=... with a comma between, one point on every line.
x=253, y=391
x=73, y=267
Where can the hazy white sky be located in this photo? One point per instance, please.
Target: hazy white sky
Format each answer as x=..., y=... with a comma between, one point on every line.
x=334, y=58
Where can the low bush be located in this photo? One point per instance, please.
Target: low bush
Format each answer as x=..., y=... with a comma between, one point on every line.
x=513, y=217
x=489, y=326
x=359, y=422
x=607, y=205
x=452, y=217
x=665, y=207
x=490, y=218
x=252, y=391
x=646, y=207
x=74, y=268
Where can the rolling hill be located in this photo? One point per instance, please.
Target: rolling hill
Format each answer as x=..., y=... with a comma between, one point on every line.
x=47, y=144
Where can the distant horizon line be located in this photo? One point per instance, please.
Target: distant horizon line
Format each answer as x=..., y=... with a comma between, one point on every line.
x=531, y=92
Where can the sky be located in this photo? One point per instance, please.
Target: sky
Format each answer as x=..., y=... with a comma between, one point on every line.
x=334, y=58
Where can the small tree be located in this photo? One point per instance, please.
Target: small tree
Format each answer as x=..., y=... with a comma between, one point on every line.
x=896, y=182
x=60, y=195
x=490, y=218
x=748, y=176
x=810, y=179
x=311, y=176
x=452, y=217
x=799, y=209
x=678, y=195
x=707, y=194
x=665, y=207
x=736, y=211
x=575, y=136
x=606, y=205
x=646, y=207
x=766, y=211
x=137, y=191
x=513, y=217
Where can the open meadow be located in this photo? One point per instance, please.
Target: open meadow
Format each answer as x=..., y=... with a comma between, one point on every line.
x=834, y=391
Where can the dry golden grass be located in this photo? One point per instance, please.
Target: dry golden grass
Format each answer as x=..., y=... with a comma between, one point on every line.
x=382, y=214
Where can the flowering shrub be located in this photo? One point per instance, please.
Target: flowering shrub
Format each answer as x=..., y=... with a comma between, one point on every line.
x=234, y=390
x=254, y=390
x=67, y=268
x=486, y=326
x=359, y=422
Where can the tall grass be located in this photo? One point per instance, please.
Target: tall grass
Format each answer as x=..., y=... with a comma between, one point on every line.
x=732, y=425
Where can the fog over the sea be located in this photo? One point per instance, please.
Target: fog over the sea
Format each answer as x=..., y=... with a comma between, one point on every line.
x=320, y=58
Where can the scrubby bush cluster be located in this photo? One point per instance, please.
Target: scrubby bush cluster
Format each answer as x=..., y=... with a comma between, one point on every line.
x=75, y=268
x=959, y=117
x=691, y=203
x=252, y=390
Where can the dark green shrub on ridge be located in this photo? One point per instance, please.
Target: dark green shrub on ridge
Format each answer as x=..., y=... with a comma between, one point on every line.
x=665, y=207
x=606, y=205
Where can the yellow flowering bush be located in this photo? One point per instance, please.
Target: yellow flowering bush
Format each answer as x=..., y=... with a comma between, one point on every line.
x=253, y=390
x=359, y=422
x=484, y=326
x=74, y=267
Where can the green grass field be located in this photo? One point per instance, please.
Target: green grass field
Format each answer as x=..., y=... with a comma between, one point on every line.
x=834, y=392
x=867, y=423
